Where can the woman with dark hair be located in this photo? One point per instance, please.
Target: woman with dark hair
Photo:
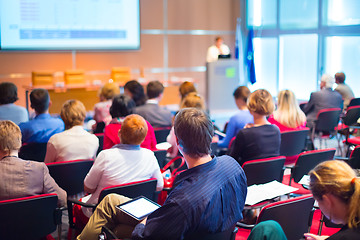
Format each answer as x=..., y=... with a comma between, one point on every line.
x=8, y=110
x=122, y=106
x=336, y=188
x=135, y=90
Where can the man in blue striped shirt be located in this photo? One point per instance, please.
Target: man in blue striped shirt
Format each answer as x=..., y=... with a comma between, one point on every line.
x=207, y=198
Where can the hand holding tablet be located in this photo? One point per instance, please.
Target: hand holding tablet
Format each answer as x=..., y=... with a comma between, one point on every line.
x=138, y=208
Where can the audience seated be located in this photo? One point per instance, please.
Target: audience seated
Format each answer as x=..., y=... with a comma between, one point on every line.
x=123, y=163
x=43, y=126
x=157, y=116
x=101, y=109
x=192, y=100
x=207, y=198
x=21, y=178
x=185, y=88
x=8, y=110
x=336, y=188
x=240, y=119
x=344, y=89
x=261, y=139
x=288, y=115
x=74, y=143
x=135, y=90
x=121, y=107
x=325, y=98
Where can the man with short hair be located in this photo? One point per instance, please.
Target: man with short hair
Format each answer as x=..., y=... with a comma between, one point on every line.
x=344, y=89
x=207, y=198
x=325, y=98
x=157, y=116
x=219, y=48
x=43, y=126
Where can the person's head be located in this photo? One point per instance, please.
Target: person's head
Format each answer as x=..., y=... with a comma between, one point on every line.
x=327, y=81
x=193, y=100
x=10, y=137
x=334, y=185
x=154, y=89
x=241, y=95
x=133, y=130
x=40, y=100
x=108, y=91
x=8, y=93
x=261, y=103
x=194, y=131
x=73, y=113
x=185, y=88
x=218, y=41
x=136, y=91
x=289, y=112
x=122, y=106
x=340, y=77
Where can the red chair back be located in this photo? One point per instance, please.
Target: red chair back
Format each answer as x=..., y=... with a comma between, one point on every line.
x=265, y=170
x=161, y=133
x=29, y=217
x=351, y=116
x=293, y=142
x=327, y=119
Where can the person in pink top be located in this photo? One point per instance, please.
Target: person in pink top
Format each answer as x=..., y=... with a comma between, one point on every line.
x=288, y=116
x=121, y=107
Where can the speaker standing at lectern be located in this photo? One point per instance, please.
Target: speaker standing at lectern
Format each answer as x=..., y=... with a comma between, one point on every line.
x=218, y=50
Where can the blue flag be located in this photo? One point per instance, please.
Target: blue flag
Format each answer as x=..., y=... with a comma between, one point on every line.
x=250, y=58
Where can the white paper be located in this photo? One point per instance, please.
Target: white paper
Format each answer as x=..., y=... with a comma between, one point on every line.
x=163, y=146
x=305, y=180
x=259, y=193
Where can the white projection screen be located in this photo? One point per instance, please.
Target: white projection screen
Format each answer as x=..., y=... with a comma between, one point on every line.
x=70, y=24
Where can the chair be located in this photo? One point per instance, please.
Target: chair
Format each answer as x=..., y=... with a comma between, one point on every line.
x=121, y=74
x=354, y=102
x=41, y=78
x=74, y=76
x=100, y=136
x=33, y=151
x=70, y=175
x=30, y=217
x=354, y=159
x=293, y=143
x=161, y=157
x=145, y=188
x=265, y=170
x=161, y=134
x=349, y=124
x=304, y=163
x=230, y=234
x=292, y=214
x=325, y=123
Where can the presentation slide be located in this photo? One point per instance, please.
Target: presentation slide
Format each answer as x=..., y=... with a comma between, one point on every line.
x=69, y=24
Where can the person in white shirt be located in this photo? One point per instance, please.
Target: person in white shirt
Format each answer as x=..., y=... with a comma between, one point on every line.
x=123, y=163
x=219, y=48
x=75, y=142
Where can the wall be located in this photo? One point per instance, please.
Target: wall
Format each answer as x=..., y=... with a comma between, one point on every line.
x=164, y=55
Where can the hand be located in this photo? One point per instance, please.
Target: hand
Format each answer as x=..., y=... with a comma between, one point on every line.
x=144, y=221
x=215, y=138
x=310, y=236
x=249, y=125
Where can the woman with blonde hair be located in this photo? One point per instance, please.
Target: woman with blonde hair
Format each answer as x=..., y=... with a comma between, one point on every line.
x=261, y=139
x=75, y=142
x=336, y=188
x=288, y=116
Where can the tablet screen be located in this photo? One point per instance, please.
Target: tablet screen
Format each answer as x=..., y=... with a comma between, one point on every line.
x=139, y=207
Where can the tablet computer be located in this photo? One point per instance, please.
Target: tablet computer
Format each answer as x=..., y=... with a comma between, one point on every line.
x=139, y=207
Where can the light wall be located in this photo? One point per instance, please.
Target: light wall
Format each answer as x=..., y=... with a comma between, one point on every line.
x=169, y=47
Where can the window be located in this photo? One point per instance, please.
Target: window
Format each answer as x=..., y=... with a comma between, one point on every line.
x=298, y=14
x=261, y=13
x=341, y=13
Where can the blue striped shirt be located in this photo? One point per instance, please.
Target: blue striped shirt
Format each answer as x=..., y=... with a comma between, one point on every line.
x=207, y=198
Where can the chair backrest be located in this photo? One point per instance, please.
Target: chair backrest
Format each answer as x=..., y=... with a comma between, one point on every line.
x=327, y=119
x=265, y=170
x=293, y=142
x=161, y=134
x=214, y=148
x=352, y=115
x=292, y=214
x=33, y=151
x=354, y=160
x=29, y=217
x=225, y=235
x=308, y=160
x=354, y=102
x=100, y=136
x=144, y=188
x=70, y=175
x=161, y=157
